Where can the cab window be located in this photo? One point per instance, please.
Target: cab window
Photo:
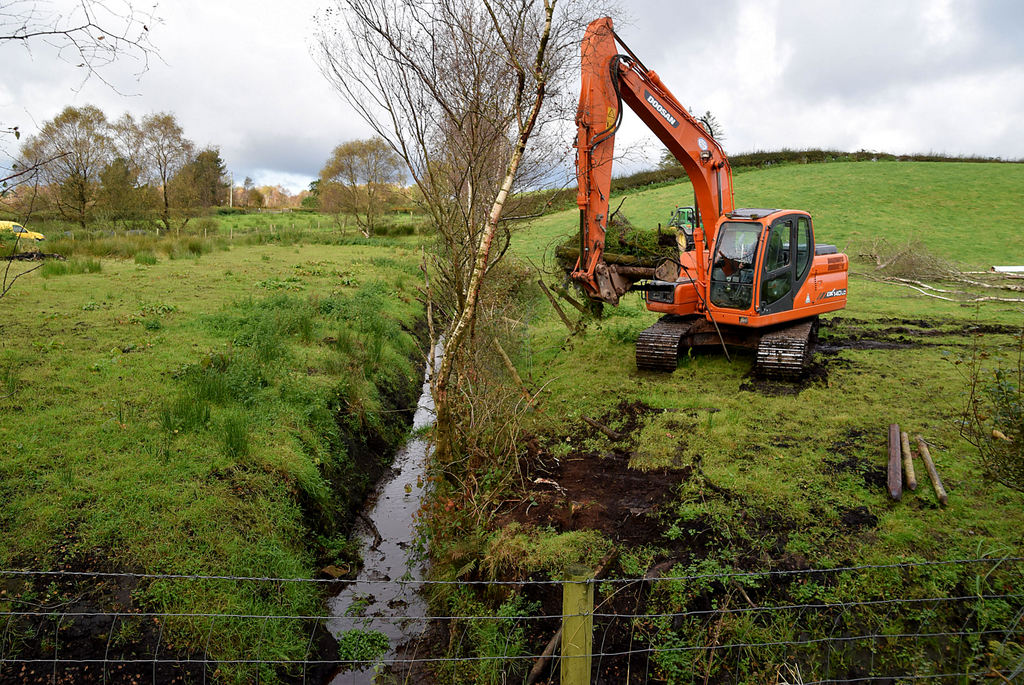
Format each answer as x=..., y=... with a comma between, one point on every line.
x=732, y=268
x=778, y=276
x=803, y=245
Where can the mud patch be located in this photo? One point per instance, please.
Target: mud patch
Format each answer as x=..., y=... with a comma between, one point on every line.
x=587, y=491
x=817, y=374
x=858, y=518
x=601, y=494
x=847, y=457
x=846, y=333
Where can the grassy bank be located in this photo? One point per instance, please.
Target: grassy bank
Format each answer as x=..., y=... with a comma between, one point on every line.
x=217, y=414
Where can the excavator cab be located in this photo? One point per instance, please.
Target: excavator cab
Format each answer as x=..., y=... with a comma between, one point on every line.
x=732, y=269
x=760, y=267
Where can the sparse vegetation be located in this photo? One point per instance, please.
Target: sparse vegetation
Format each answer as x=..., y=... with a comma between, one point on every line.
x=993, y=420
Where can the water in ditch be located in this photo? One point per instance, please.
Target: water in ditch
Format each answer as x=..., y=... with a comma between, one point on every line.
x=386, y=535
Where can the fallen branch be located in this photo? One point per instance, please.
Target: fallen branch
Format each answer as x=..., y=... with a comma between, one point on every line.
x=743, y=592
x=910, y=281
x=558, y=308
x=511, y=368
x=924, y=288
x=613, y=434
x=377, y=538
x=980, y=284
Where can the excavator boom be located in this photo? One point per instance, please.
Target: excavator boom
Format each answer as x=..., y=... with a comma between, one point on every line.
x=609, y=80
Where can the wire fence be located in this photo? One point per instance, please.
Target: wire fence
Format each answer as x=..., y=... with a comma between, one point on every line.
x=953, y=621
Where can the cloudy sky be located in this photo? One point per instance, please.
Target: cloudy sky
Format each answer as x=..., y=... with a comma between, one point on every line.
x=899, y=76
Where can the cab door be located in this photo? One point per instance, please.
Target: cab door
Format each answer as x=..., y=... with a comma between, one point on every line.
x=788, y=253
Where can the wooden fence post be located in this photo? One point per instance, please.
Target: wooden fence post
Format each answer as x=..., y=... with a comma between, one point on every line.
x=577, y=626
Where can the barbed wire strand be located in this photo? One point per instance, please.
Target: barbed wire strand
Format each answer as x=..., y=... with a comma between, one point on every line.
x=1012, y=629
x=536, y=617
x=328, y=581
x=519, y=657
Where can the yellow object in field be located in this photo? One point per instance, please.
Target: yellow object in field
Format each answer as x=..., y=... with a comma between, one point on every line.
x=20, y=231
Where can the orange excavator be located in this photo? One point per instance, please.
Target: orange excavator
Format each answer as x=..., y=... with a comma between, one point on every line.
x=751, y=278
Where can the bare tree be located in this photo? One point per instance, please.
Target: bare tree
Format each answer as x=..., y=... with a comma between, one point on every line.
x=70, y=152
x=356, y=179
x=86, y=34
x=457, y=88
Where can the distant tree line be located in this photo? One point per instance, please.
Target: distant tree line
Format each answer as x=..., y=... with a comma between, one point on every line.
x=88, y=168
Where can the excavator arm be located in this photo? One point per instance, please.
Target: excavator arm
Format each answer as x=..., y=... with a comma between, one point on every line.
x=610, y=79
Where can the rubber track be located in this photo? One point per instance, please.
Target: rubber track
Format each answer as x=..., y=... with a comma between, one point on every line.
x=657, y=347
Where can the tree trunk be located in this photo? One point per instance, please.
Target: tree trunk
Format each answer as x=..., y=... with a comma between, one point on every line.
x=456, y=338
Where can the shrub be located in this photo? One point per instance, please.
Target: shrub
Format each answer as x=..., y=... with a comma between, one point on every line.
x=206, y=224
x=994, y=417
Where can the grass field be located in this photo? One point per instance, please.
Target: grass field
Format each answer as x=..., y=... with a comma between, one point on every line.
x=216, y=402
x=213, y=414
x=778, y=476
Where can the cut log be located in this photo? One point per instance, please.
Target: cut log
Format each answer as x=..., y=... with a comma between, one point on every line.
x=573, y=253
x=908, y=461
x=940, y=491
x=895, y=474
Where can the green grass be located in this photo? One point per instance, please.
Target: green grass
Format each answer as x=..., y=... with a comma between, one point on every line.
x=966, y=212
x=176, y=417
x=772, y=448
x=772, y=475
x=202, y=235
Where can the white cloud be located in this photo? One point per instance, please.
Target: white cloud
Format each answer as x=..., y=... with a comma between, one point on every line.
x=913, y=75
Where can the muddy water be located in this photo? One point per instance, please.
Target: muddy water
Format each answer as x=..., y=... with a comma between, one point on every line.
x=386, y=534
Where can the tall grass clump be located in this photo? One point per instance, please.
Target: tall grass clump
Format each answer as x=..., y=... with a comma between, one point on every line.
x=72, y=266
x=184, y=414
x=235, y=434
x=146, y=258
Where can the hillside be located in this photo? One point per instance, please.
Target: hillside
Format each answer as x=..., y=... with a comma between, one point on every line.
x=967, y=212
